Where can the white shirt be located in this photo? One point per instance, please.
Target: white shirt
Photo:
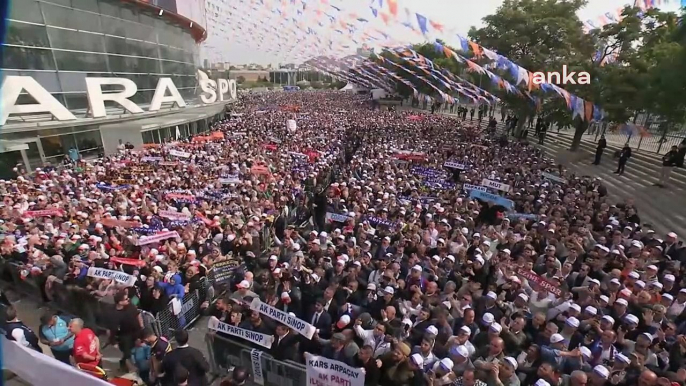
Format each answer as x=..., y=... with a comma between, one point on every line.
x=18, y=335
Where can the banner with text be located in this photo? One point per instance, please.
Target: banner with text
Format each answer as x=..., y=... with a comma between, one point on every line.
x=495, y=185
x=257, y=338
x=305, y=329
x=322, y=371
x=118, y=276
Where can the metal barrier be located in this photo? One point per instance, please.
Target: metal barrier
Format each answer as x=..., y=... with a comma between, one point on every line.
x=97, y=312
x=225, y=353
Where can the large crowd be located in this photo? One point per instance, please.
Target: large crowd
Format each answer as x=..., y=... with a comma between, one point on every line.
x=373, y=234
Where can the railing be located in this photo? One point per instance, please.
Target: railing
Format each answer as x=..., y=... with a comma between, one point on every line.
x=226, y=353
x=96, y=312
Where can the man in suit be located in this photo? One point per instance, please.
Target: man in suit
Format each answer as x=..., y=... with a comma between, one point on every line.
x=285, y=342
x=188, y=358
x=321, y=319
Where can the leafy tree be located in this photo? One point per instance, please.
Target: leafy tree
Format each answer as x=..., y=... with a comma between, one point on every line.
x=240, y=79
x=317, y=85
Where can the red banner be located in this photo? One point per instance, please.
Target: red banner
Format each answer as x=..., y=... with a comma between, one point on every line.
x=134, y=262
x=112, y=222
x=44, y=213
x=540, y=280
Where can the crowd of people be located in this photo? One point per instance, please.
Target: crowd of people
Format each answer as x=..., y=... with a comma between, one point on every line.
x=374, y=235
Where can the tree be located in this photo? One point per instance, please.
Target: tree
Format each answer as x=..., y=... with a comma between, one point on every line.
x=240, y=79
x=538, y=35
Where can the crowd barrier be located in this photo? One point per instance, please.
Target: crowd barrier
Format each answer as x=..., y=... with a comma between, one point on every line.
x=97, y=312
x=226, y=353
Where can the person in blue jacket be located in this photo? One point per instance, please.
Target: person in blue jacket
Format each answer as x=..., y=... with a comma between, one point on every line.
x=54, y=333
x=140, y=356
x=175, y=289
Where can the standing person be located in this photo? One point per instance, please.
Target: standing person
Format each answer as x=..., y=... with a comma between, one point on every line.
x=669, y=162
x=624, y=156
x=17, y=331
x=184, y=357
x=471, y=114
x=541, y=133
x=86, y=344
x=602, y=144
x=127, y=324
x=54, y=333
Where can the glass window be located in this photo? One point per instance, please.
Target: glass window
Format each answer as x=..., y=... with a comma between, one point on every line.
x=48, y=80
x=113, y=26
x=75, y=40
x=147, y=137
x=70, y=61
x=23, y=34
x=26, y=10
x=28, y=58
x=122, y=46
x=120, y=63
x=73, y=81
x=76, y=101
x=110, y=7
x=88, y=140
x=128, y=13
x=87, y=5
x=58, y=145
x=70, y=18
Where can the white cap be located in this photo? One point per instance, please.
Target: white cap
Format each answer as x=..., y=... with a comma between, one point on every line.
x=575, y=307
x=640, y=283
x=512, y=362
x=604, y=298
x=460, y=350
x=244, y=284
x=672, y=235
x=417, y=359
x=556, y=338
x=523, y=296
x=572, y=322
x=622, y=302
x=488, y=318
x=491, y=295
x=602, y=371
x=586, y=352
x=480, y=260
x=417, y=268
x=615, y=281
x=622, y=358
x=432, y=330
x=631, y=319
x=371, y=286
x=668, y=297
x=669, y=277
x=652, y=267
x=495, y=327
x=273, y=258
x=466, y=330
x=389, y=290
x=446, y=363
x=634, y=275
x=608, y=319
x=541, y=382
x=591, y=310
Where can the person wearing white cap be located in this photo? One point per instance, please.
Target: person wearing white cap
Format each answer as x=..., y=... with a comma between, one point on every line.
x=678, y=305
x=244, y=291
x=374, y=338
x=507, y=374
x=600, y=375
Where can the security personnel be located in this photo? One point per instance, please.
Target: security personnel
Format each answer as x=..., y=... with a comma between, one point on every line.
x=19, y=332
x=159, y=347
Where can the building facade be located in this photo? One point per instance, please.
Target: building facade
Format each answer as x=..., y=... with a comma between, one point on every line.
x=60, y=43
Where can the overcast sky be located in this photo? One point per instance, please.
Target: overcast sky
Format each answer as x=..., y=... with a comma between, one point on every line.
x=240, y=31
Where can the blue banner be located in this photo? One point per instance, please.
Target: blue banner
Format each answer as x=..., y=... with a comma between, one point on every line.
x=523, y=216
x=494, y=198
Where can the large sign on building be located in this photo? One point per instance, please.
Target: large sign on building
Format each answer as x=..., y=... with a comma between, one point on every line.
x=165, y=92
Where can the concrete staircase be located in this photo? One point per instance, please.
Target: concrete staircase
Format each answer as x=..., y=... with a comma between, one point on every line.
x=664, y=208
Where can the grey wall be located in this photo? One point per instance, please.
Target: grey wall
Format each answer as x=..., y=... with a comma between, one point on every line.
x=111, y=134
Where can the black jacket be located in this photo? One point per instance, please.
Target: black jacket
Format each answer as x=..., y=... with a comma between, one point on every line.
x=190, y=359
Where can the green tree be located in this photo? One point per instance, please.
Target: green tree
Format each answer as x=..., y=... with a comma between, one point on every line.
x=240, y=79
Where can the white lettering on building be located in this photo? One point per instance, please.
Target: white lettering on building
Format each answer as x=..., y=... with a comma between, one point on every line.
x=165, y=92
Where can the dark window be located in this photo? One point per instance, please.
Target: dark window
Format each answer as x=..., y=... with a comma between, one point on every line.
x=70, y=61
x=88, y=140
x=131, y=64
x=110, y=7
x=27, y=35
x=28, y=58
x=76, y=101
x=58, y=145
x=75, y=40
x=70, y=18
x=26, y=10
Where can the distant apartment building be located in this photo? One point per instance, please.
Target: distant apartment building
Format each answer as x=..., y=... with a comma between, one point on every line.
x=249, y=75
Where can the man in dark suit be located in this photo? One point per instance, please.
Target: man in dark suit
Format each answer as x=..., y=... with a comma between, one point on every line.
x=321, y=319
x=285, y=344
x=188, y=358
x=365, y=359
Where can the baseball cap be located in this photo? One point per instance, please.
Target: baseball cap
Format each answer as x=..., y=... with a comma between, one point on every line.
x=244, y=284
x=512, y=362
x=602, y=371
x=556, y=338
x=488, y=318
x=459, y=350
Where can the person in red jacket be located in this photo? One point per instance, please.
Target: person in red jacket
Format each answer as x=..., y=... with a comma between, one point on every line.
x=86, y=344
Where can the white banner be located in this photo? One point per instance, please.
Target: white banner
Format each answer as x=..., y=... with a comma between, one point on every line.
x=469, y=187
x=454, y=165
x=256, y=359
x=552, y=177
x=302, y=327
x=177, y=153
x=174, y=215
x=291, y=125
x=157, y=237
x=230, y=179
x=495, y=185
x=260, y=339
x=328, y=372
x=118, y=276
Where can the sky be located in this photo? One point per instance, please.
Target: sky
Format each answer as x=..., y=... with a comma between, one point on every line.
x=248, y=31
